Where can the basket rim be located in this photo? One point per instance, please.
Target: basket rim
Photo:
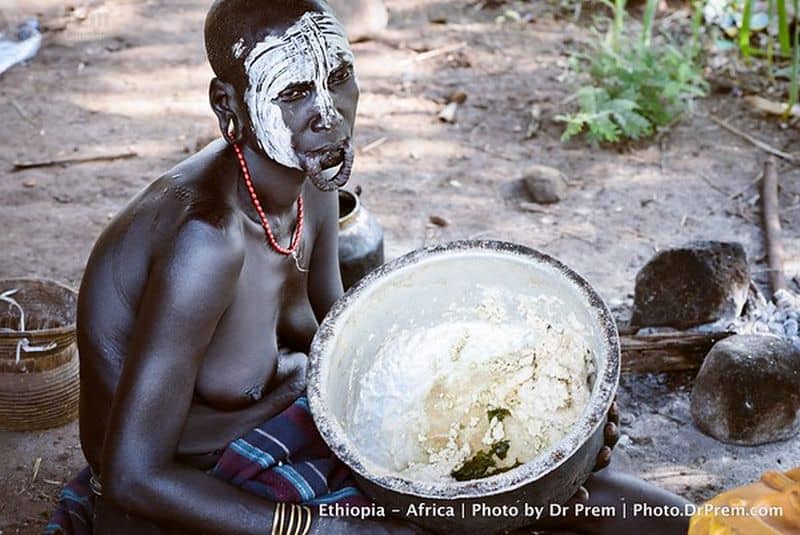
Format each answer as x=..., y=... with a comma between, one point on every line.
x=65, y=329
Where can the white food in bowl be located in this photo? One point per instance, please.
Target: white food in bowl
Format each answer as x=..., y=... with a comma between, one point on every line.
x=424, y=402
x=447, y=284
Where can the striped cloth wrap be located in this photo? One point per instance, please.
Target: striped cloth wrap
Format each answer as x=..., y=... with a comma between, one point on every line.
x=282, y=460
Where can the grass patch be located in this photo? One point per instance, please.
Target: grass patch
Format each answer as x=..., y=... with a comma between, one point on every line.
x=632, y=84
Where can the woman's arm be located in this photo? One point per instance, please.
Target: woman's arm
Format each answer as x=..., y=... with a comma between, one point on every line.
x=185, y=296
x=324, y=278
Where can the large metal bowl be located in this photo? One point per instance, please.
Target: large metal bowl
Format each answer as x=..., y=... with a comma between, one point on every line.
x=416, y=290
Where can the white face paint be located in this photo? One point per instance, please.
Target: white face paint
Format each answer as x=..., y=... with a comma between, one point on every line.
x=307, y=52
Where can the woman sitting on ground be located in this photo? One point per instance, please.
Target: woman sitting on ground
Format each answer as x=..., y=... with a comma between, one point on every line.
x=200, y=300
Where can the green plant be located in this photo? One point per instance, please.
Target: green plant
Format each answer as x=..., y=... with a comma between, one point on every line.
x=634, y=85
x=746, y=18
x=794, y=84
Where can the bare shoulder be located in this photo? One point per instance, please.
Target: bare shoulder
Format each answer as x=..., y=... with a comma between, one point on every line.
x=204, y=256
x=194, y=188
x=198, y=187
x=207, y=234
x=186, y=222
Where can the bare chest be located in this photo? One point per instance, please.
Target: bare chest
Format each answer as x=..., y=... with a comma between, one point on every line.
x=270, y=313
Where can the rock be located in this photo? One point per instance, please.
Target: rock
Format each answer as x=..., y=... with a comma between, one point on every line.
x=545, y=185
x=621, y=461
x=748, y=390
x=698, y=283
x=362, y=19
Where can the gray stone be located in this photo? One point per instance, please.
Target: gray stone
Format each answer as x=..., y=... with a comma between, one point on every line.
x=748, y=390
x=545, y=185
x=621, y=460
x=363, y=19
x=701, y=282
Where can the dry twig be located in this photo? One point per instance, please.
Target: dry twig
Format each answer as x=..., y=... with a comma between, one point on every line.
x=21, y=112
x=374, y=145
x=36, y=465
x=772, y=226
x=670, y=352
x=752, y=183
x=713, y=186
x=757, y=142
x=19, y=166
x=533, y=207
x=436, y=52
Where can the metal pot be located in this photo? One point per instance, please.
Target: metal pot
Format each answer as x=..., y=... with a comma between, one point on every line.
x=416, y=290
x=360, y=239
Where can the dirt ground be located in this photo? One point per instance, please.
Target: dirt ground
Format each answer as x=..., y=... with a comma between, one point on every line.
x=130, y=76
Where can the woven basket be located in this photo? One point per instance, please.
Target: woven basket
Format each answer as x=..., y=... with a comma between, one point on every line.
x=39, y=383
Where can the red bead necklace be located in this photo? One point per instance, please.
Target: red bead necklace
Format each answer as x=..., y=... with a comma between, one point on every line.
x=298, y=231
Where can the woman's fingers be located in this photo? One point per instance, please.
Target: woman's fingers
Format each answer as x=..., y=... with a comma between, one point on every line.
x=613, y=413
x=291, y=365
x=610, y=434
x=603, y=458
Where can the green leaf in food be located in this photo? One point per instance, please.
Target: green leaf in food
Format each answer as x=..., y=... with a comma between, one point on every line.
x=499, y=413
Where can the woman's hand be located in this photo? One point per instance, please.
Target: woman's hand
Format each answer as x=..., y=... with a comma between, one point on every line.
x=291, y=372
x=610, y=435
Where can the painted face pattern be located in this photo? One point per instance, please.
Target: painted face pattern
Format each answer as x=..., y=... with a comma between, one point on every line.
x=307, y=52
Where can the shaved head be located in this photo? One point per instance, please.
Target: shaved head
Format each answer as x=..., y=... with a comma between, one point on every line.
x=233, y=26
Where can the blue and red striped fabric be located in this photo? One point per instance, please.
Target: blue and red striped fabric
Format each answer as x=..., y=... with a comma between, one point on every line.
x=286, y=460
x=75, y=507
x=282, y=460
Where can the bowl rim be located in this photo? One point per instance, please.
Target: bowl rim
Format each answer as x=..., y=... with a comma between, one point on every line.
x=548, y=461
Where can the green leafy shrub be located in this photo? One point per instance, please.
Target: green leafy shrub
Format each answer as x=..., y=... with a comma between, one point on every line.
x=633, y=85
x=769, y=24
